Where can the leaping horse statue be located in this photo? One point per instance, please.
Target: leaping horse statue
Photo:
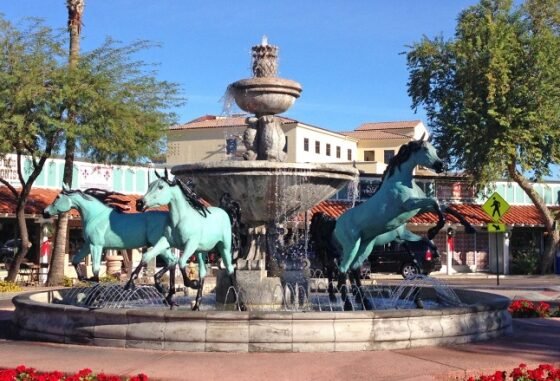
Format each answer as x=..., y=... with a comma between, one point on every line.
x=107, y=227
x=379, y=220
x=192, y=228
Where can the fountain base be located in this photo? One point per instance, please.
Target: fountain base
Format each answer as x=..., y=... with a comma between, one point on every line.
x=484, y=317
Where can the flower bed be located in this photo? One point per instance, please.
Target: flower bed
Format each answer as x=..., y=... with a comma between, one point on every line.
x=22, y=373
x=527, y=309
x=544, y=372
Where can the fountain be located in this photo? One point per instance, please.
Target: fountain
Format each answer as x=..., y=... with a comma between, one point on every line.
x=268, y=190
x=288, y=310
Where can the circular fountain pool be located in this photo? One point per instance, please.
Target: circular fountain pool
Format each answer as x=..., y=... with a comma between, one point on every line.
x=481, y=316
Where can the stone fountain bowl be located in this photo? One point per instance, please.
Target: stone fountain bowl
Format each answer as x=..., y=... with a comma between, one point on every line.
x=265, y=96
x=267, y=191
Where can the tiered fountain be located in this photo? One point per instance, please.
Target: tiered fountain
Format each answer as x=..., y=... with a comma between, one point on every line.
x=269, y=192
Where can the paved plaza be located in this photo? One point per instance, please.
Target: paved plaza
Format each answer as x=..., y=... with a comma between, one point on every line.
x=534, y=341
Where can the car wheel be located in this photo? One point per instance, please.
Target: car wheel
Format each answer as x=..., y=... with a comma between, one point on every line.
x=409, y=270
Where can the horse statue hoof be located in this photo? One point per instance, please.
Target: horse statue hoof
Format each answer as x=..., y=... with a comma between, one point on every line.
x=129, y=286
x=348, y=305
x=332, y=298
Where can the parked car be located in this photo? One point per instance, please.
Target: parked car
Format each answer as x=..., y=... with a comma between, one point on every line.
x=407, y=259
x=9, y=249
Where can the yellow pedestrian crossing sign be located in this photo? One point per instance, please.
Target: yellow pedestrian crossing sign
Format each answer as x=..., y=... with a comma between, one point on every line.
x=495, y=207
x=496, y=228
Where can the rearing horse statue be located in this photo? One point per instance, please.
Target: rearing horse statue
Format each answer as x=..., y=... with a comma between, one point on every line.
x=382, y=218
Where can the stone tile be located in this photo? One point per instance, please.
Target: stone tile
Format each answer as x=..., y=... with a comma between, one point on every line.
x=353, y=330
x=144, y=344
x=313, y=347
x=185, y=331
x=391, y=329
x=270, y=331
x=184, y=346
x=425, y=327
x=227, y=331
x=103, y=342
x=227, y=347
x=313, y=331
x=270, y=347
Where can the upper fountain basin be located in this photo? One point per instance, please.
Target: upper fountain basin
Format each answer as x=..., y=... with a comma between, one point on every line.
x=265, y=96
x=267, y=191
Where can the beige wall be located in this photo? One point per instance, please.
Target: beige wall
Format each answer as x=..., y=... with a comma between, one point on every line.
x=201, y=144
x=379, y=147
x=324, y=137
x=208, y=144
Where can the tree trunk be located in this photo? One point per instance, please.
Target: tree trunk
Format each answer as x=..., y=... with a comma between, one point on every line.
x=24, y=235
x=553, y=235
x=56, y=272
x=58, y=259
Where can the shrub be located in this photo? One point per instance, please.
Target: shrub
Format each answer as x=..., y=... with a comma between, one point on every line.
x=524, y=262
x=29, y=374
x=527, y=309
x=544, y=372
x=9, y=287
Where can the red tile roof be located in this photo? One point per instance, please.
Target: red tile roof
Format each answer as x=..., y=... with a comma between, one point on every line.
x=40, y=198
x=211, y=121
x=377, y=135
x=388, y=125
x=517, y=215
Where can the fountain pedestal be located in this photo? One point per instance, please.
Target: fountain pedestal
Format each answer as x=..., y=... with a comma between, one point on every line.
x=256, y=290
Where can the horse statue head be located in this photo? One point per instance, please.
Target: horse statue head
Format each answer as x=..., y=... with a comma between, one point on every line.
x=160, y=194
x=417, y=152
x=61, y=204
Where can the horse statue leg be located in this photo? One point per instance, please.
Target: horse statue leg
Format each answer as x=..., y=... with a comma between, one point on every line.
x=331, y=272
x=78, y=258
x=161, y=246
x=96, y=252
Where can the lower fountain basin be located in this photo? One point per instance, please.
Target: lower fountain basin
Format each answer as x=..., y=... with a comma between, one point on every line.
x=267, y=191
x=485, y=316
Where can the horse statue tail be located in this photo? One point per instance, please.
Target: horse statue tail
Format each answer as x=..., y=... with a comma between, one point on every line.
x=233, y=210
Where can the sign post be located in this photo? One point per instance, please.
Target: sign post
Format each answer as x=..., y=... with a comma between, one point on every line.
x=495, y=207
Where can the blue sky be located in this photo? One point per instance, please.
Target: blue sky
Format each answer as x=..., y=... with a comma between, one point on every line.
x=344, y=53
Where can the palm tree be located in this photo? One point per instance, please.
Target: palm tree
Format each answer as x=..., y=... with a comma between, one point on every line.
x=56, y=272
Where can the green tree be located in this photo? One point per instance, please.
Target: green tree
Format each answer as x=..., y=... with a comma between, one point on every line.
x=492, y=96
x=31, y=112
x=120, y=111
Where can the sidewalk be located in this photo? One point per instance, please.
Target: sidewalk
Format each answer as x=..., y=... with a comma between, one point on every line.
x=534, y=341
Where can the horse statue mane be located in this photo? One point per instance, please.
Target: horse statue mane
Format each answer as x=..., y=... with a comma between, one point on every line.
x=192, y=198
x=108, y=198
x=104, y=196
x=401, y=157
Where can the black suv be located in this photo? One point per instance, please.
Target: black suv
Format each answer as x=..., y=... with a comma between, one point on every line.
x=407, y=258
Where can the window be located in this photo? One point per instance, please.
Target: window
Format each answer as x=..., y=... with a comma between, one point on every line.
x=338, y=152
x=349, y=155
x=317, y=147
x=306, y=144
x=328, y=149
x=369, y=155
x=286, y=145
x=388, y=155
